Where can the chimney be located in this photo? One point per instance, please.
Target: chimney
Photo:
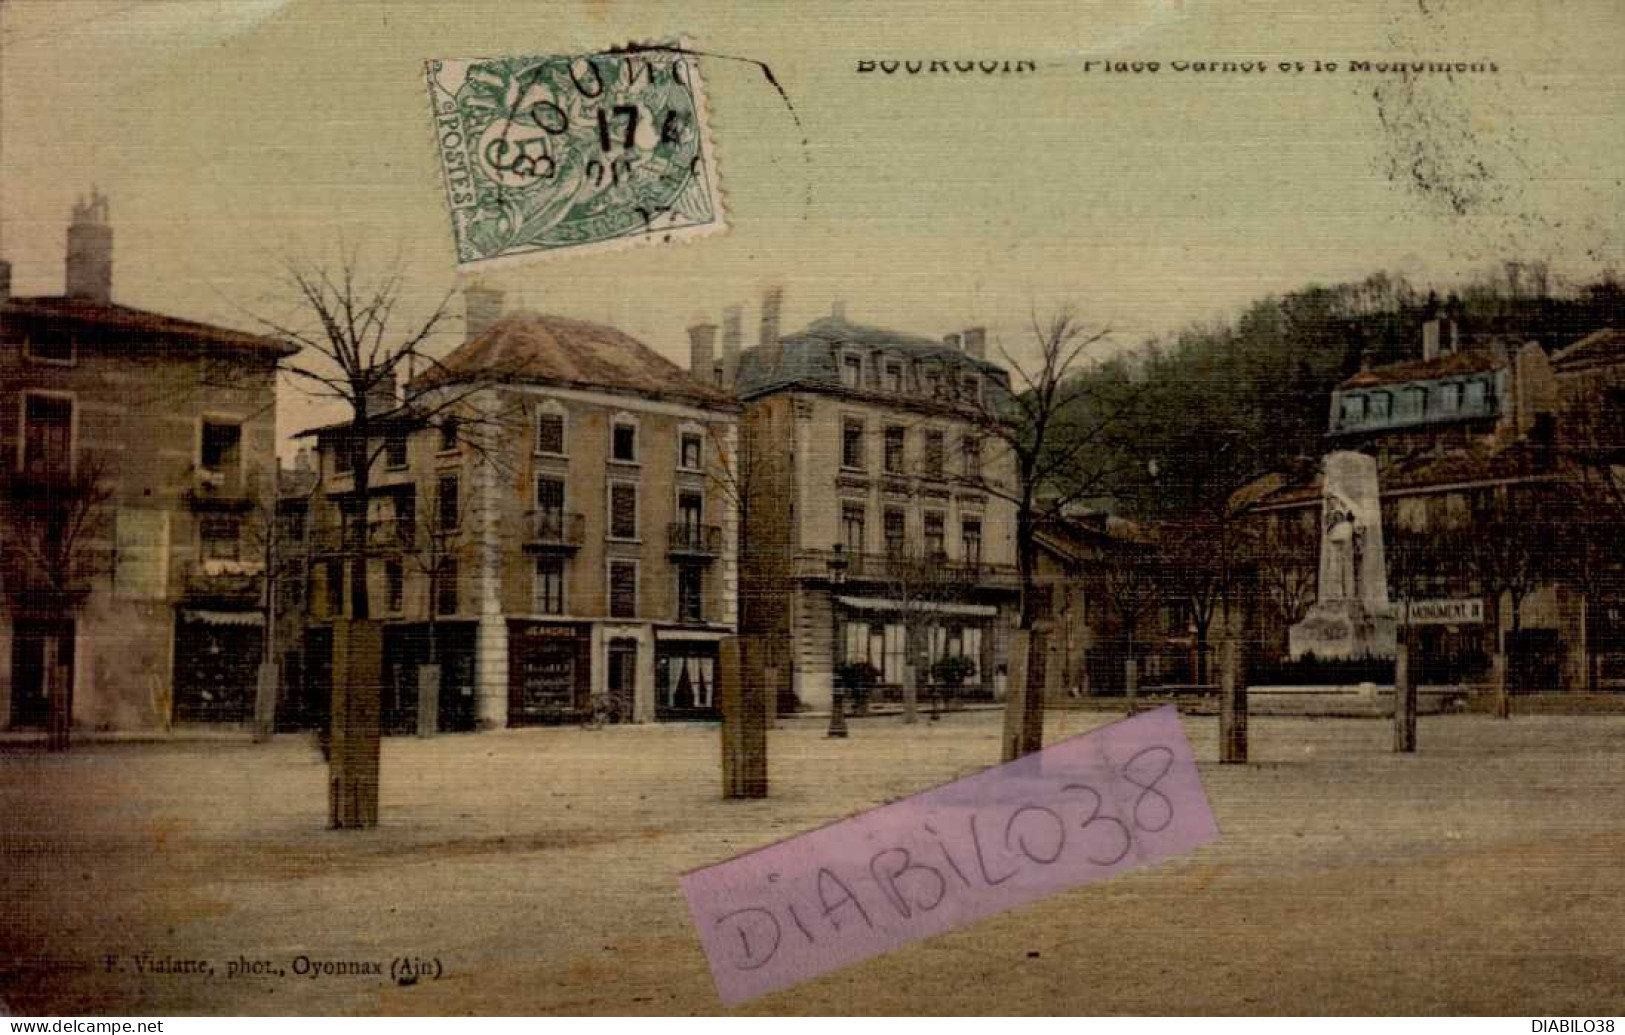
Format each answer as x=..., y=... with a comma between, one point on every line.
x=5, y=281
x=837, y=310
x=731, y=335
x=90, y=251
x=482, y=307
x=1452, y=319
x=702, y=349
x=975, y=339
x=382, y=397
x=952, y=341
x=772, y=303
x=1430, y=339
x=1365, y=360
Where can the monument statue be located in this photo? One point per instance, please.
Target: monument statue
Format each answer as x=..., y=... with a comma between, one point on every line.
x=1352, y=616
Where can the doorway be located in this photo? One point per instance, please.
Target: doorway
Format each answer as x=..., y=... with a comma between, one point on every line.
x=30, y=687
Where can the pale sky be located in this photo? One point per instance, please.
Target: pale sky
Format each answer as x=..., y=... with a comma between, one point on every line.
x=229, y=132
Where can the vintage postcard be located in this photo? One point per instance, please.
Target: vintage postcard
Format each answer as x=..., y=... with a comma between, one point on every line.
x=598, y=509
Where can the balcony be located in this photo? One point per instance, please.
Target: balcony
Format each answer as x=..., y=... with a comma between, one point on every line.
x=385, y=535
x=688, y=539
x=218, y=488
x=553, y=530
x=915, y=570
x=223, y=582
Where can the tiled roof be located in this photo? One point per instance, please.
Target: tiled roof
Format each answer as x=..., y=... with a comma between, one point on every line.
x=110, y=315
x=1600, y=348
x=1451, y=364
x=537, y=348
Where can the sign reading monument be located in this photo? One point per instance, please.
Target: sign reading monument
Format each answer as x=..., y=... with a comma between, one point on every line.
x=1123, y=796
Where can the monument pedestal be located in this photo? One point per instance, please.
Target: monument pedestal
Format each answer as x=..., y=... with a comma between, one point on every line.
x=1344, y=630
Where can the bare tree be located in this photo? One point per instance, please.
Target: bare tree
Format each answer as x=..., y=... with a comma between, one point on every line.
x=1132, y=585
x=50, y=522
x=355, y=352
x=1064, y=437
x=1513, y=548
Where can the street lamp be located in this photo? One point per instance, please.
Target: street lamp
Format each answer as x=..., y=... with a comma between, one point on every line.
x=837, y=708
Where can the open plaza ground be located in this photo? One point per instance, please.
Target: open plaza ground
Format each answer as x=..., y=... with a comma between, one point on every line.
x=539, y=869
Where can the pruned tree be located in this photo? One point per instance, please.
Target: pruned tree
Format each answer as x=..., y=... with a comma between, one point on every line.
x=1514, y=547
x=1132, y=584
x=1061, y=436
x=1286, y=557
x=356, y=350
x=51, y=520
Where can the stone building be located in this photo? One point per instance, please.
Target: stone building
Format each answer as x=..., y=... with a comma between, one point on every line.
x=142, y=447
x=564, y=536
x=1476, y=474
x=877, y=520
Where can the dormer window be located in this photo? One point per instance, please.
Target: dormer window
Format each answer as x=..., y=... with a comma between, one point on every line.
x=971, y=385
x=1475, y=395
x=1353, y=409
x=1379, y=405
x=851, y=371
x=50, y=343
x=1413, y=402
x=894, y=377
x=1450, y=398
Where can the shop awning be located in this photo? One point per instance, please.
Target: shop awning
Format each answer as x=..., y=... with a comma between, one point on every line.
x=224, y=617
x=883, y=604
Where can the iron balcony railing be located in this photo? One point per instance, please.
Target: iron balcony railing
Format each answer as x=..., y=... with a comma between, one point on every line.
x=554, y=529
x=694, y=539
x=911, y=567
x=383, y=534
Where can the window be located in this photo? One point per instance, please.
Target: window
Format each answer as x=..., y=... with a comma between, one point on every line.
x=445, y=587
x=1353, y=408
x=894, y=377
x=623, y=511
x=218, y=537
x=896, y=536
x=852, y=443
x=221, y=447
x=689, y=451
x=547, y=596
x=623, y=589
x=896, y=442
x=852, y=518
x=343, y=461
x=448, y=507
x=690, y=507
x=1475, y=395
x=970, y=540
x=624, y=443
x=52, y=343
x=335, y=588
x=851, y=371
x=935, y=540
x=394, y=586
x=971, y=449
x=550, y=509
x=933, y=454
x=971, y=387
x=550, y=433
x=448, y=435
x=47, y=435
x=690, y=593
x=395, y=448
x=1379, y=405
x=406, y=520
x=1413, y=402
x=1450, y=398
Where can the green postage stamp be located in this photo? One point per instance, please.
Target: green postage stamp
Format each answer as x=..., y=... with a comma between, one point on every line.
x=574, y=153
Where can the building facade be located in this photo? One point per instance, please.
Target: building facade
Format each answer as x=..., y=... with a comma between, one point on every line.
x=1480, y=482
x=878, y=523
x=561, y=541
x=139, y=464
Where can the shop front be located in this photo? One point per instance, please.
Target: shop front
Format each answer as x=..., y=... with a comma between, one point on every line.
x=549, y=672
x=686, y=676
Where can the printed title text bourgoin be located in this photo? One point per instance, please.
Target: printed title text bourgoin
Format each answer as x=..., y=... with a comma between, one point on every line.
x=1006, y=67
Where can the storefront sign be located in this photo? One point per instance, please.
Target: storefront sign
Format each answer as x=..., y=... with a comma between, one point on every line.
x=1445, y=612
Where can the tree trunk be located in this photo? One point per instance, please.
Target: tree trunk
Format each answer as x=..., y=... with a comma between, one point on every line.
x=428, y=700
x=911, y=694
x=1024, y=711
x=59, y=697
x=355, y=748
x=1404, y=696
x=741, y=692
x=267, y=681
x=1232, y=704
